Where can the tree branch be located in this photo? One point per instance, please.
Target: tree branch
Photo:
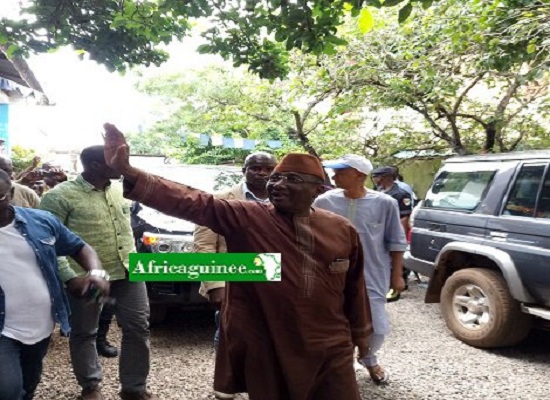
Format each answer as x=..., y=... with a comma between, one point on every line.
x=474, y=117
x=298, y=122
x=457, y=142
x=465, y=92
x=524, y=103
x=223, y=103
x=495, y=127
x=319, y=122
x=319, y=99
x=299, y=134
x=430, y=120
x=512, y=89
x=516, y=142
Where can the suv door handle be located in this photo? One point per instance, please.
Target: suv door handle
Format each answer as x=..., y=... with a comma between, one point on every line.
x=437, y=227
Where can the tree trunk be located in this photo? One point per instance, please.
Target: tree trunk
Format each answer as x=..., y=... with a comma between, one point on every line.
x=459, y=149
x=304, y=141
x=490, y=137
x=456, y=141
x=298, y=133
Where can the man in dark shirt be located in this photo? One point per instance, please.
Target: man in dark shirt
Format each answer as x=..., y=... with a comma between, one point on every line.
x=385, y=180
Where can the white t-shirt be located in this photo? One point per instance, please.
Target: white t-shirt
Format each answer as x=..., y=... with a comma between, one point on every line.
x=28, y=317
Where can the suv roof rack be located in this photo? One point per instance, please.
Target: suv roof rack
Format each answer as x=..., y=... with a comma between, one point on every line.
x=518, y=155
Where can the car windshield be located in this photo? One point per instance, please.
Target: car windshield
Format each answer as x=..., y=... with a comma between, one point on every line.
x=209, y=178
x=459, y=190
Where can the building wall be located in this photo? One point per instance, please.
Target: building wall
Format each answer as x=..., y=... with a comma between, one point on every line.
x=420, y=173
x=4, y=119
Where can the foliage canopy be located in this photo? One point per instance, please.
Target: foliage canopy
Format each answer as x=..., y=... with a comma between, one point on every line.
x=124, y=33
x=439, y=80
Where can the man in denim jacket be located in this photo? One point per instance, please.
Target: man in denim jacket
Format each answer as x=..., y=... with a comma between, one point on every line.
x=32, y=297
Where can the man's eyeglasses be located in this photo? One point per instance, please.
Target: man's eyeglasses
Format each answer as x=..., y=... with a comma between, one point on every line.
x=291, y=178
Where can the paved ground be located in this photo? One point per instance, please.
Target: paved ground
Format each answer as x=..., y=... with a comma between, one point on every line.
x=425, y=360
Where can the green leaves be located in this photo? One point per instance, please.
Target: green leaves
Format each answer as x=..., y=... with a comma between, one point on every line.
x=405, y=12
x=391, y=3
x=261, y=34
x=424, y=67
x=426, y=4
x=373, y=3
x=204, y=49
x=280, y=36
x=366, y=21
x=531, y=48
x=12, y=48
x=21, y=157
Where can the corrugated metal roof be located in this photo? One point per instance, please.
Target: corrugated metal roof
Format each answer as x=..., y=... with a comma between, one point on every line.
x=8, y=71
x=17, y=71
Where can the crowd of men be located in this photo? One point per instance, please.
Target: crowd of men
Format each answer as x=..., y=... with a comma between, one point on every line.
x=342, y=250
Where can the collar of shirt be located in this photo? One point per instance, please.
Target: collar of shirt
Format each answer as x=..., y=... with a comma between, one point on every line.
x=390, y=189
x=87, y=186
x=248, y=195
x=18, y=218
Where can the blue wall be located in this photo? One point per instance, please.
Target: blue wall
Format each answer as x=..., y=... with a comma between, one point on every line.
x=4, y=134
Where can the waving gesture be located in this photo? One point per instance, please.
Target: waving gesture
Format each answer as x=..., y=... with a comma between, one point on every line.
x=117, y=152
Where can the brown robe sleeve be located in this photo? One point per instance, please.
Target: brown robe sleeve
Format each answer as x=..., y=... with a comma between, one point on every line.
x=188, y=203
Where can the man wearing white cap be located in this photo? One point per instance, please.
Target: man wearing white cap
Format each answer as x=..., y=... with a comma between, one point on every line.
x=376, y=218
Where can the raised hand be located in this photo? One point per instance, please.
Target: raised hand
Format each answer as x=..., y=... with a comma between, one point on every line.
x=36, y=161
x=32, y=176
x=117, y=152
x=55, y=174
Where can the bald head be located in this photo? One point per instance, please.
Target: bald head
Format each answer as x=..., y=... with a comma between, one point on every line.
x=6, y=165
x=5, y=179
x=93, y=162
x=92, y=154
x=257, y=168
x=49, y=165
x=6, y=192
x=260, y=157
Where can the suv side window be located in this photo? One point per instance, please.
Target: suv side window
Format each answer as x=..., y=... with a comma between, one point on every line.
x=543, y=208
x=522, y=200
x=462, y=190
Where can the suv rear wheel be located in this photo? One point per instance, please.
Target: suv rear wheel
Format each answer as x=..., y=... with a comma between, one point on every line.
x=480, y=311
x=158, y=313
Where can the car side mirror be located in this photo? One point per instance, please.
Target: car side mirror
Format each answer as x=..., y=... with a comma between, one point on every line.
x=437, y=186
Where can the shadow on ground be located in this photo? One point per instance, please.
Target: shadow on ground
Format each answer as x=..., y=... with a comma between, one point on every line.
x=536, y=348
x=186, y=327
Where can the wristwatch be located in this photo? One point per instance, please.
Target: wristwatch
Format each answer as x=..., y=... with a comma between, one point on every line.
x=101, y=273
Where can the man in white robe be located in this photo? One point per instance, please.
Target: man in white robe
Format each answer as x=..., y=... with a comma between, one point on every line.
x=375, y=215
